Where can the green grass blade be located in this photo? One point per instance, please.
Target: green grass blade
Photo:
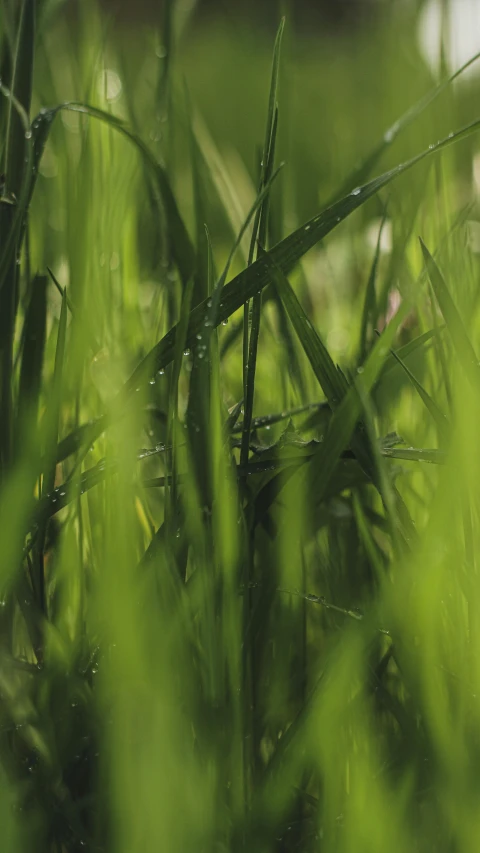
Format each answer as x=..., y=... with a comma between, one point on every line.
x=413, y=454
x=370, y=300
x=430, y=404
x=252, y=314
x=21, y=89
x=33, y=352
x=406, y=350
x=348, y=412
x=453, y=320
x=50, y=453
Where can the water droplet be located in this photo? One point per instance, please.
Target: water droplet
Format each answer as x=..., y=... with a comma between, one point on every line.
x=360, y=369
x=161, y=51
x=307, y=227
x=161, y=372
x=356, y=191
x=186, y=352
x=151, y=382
x=28, y=134
x=224, y=322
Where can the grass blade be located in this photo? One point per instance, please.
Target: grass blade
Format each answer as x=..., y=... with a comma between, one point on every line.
x=454, y=322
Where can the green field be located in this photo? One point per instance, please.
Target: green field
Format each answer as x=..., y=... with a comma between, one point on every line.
x=239, y=459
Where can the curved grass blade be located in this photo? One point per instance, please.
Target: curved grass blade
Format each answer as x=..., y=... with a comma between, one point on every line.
x=183, y=252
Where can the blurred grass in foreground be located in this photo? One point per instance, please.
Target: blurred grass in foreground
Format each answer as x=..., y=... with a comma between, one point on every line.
x=238, y=563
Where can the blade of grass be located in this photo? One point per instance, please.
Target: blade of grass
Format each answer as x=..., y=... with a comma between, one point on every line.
x=33, y=353
x=434, y=410
x=369, y=302
x=453, y=320
x=252, y=313
x=361, y=172
x=50, y=453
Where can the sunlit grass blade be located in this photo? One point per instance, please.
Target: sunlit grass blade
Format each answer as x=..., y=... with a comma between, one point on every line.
x=453, y=320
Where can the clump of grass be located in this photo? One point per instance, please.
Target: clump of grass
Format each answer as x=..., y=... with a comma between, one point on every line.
x=226, y=624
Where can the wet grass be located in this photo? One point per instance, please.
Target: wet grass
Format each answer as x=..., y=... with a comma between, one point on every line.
x=239, y=505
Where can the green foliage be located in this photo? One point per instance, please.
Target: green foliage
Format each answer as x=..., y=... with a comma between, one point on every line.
x=238, y=609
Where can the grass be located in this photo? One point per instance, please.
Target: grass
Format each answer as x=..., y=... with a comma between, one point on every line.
x=238, y=564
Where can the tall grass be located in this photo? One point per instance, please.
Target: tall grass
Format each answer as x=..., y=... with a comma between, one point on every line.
x=238, y=570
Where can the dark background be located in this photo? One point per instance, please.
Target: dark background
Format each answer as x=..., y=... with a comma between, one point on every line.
x=303, y=14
